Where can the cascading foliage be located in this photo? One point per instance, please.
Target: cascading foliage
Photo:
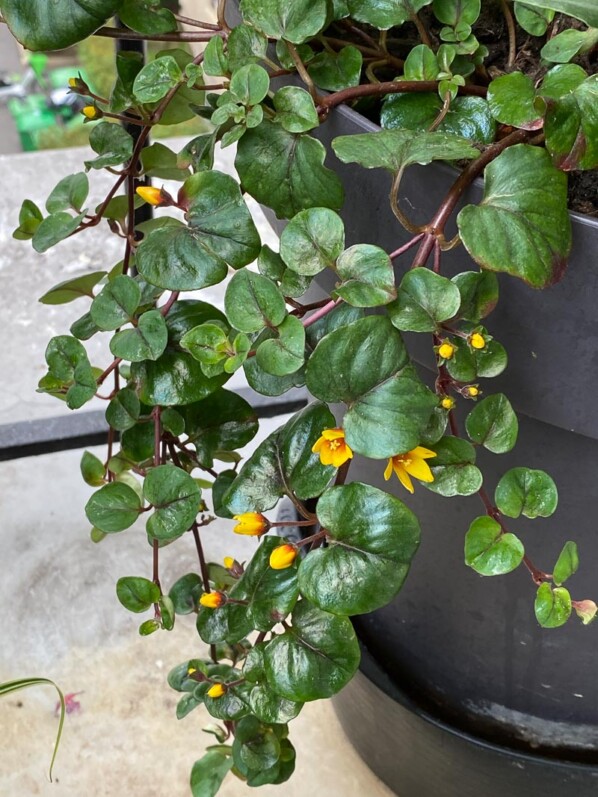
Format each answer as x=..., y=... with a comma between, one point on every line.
x=278, y=626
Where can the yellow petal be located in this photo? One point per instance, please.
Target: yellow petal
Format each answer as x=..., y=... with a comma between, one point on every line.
x=333, y=434
x=422, y=453
x=326, y=455
x=341, y=455
x=419, y=469
x=318, y=444
x=403, y=477
x=388, y=470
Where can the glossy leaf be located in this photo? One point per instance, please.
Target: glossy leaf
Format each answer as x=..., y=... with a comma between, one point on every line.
x=146, y=16
x=92, y=469
x=479, y=294
x=571, y=127
x=146, y=341
x=522, y=226
x=586, y=10
x=112, y=143
x=72, y=289
x=53, y=229
x=468, y=117
x=467, y=364
x=137, y=594
x=453, y=468
x=175, y=497
x=367, y=276
x=116, y=303
x=314, y=658
x=295, y=109
x=385, y=14
x=70, y=194
x=271, y=593
x=336, y=71
x=493, y=424
x=511, y=101
x=523, y=491
x=40, y=25
x=30, y=217
x=566, y=45
x=250, y=84
x=208, y=773
x=296, y=22
x=113, y=507
x=285, y=171
x=552, y=605
x=366, y=366
x=372, y=538
x=221, y=233
x=185, y=593
x=123, y=410
x=284, y=461
x=534, y=21
x=269, y=707
x=253, y=302
x=424, y=300
x=312, y=241
x=489, y=551
x=285, y=353
x=567, y=563
x=245, y=45
x=156, y=79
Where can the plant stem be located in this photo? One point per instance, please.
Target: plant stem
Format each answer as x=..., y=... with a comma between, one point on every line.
x=114, y=364
x=423, y=33
x=180, y=36
x=512, y=35
x=196, y=23
x=443, y=112
x=307, y=322
x=221, y=16
x=303, y=73
x=406, y=247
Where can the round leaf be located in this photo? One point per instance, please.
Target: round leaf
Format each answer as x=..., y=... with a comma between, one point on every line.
x=137, y=594
x=493, y=424
x=116, y=303
x=523, y=491
x=123, y=410
x=312, y=241
x=424, y=300
x=372, y=539
x=489, y=551
x=552, y=606
x=175, y=497
x=295, y=109
x=367, y=275
x=175, y=378
x=146, y=341
x=253, y=302
x=279, y=19
x=453, y=468
x=113, y=507
x=284, y=354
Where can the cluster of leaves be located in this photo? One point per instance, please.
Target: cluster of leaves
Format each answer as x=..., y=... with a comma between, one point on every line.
x=175, y=421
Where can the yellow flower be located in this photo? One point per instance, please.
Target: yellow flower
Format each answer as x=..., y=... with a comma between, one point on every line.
x=332, y=448
x=151, y=195
x=446, y=350
x=251, y=524
x=216, y=691
x=229, y=562
x=477, y=341
x=73, y=82
x=92, y=113
x=283, y=557
x=213, y=600
x=447, y=403
x=412, y=463
x=191, y=670
x=473, y=391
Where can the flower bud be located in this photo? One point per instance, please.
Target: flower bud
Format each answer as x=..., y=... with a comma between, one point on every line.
x=446, y=350
x=213, y=600
x=252, y=524
x=191, y=670
x=151, y=195
x=283, y=557
x=217, y=690
x=447, y=403
x=91, y=113
x=471, y=391
x=229, y=562
x=477, y=341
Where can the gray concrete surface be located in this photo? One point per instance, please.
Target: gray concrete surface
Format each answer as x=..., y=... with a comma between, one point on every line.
x=9, y=64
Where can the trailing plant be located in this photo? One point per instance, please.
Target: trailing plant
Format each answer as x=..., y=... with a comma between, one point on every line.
x=278, y=626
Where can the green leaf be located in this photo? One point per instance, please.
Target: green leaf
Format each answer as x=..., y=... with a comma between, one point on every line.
x=283, y=462
x=489, y=551
x=180, y=106
x=571, y=127
x=223, y=421
x=468, y=117
x=295, y=109
x=174, y=379
x=479, y=294
x=586, y=10
x=189, y=313
x=523, y=491
x=176, y=498
x=511, y=101
x=245, y=46
x=534, y=21
x=250, y=84
x=366, y=366
x=312, y=241
x=284, y=354
x=314, y=658
x=39, y=25
x=167, y=615
x=116, y=303
x=424, y=300
x=493, y=424
x=285, y=171
x=421, y=64
x=199, y=153
x=113, y=507
x=147, y=16
x=385, y=14
x=146, y=341
x=156, y=79
x=271, y=593
x=266, y=384
x=552, y=606
x=138, y=442
x=70, y=194
x=522, y=225
x=567, y=563
x=92, y=469
x=336, y=71
x=186, y=592
x=30, y=217
x=568, y=44
x=269, y=707
x=209, y=345
x=221, y=233
x=67, y=362
x=396, y=149
x=208, y=773
x=466, y=364
x=72, y=289
x=296, y=22
x=128, y=66
x=253, y=302
x=55, y=228
x=112, y=143
x=454, y=468
x=372, y=538
x=367, y=276
x=123, y=410
x=160, y=161
x=137, y=594
x=456, y=12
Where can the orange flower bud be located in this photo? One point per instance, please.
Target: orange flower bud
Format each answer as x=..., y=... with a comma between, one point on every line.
x=283, y=557
x=216, y=691
x=229, y=562
x=151, y=195
x=213, y=600
x=91, y=113
x=252, y=524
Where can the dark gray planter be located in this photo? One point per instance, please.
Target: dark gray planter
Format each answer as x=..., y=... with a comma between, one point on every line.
x=463, y=648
